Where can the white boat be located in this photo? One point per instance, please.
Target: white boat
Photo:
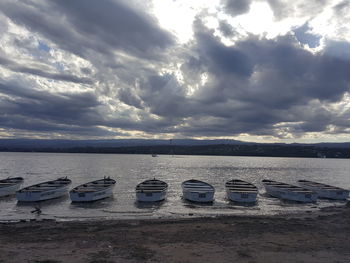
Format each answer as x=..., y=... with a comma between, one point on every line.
x=151, y=191
x=289, y=192
x=198, y=191
x=44, y=191
x=325, y=190
x=10, y=185
x=92, y=191
x=241, y=191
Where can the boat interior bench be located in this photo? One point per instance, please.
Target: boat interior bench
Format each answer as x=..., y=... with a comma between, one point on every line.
x=38, y=188
x=89, y=188
x=243, y=191
x=199, y=190
x=33, y=190
x=300, y=191
x=149, y=190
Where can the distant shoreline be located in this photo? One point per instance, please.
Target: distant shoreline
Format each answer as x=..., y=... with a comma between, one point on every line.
x=256, y=150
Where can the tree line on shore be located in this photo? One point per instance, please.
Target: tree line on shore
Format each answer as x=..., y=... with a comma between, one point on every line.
x=268, y=150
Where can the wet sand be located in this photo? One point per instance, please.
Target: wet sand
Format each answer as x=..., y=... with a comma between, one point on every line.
x=322, y=236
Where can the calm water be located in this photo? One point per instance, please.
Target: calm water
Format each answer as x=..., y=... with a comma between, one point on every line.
x=129, y=170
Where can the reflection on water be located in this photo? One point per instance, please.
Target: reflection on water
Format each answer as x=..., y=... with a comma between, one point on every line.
x=129, y=170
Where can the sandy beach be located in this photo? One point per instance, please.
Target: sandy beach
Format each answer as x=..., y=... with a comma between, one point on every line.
x=309, y=237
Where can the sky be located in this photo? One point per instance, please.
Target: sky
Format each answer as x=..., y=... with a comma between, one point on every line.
x=250, y=70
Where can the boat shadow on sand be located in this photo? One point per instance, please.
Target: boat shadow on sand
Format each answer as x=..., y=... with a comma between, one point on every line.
x=36, y=208
x=149, y=205
x=242, y=204
x=102, y=203
x=44, y=203
x=7, y=198
x=285, y=202
x=192, y=204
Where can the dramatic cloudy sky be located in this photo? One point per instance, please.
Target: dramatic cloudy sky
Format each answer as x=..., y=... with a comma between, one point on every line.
x=255, y=70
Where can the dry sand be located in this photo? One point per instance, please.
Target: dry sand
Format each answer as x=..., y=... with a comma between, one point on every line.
x=310, y=237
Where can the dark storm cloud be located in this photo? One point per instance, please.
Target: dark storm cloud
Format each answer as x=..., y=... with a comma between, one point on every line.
x=236, y=7
x=266, y=84
x=116, y=24
x=282, y=65
x=41, y=127
x=163, y=95
x=60, y=108
x=252, y=88
x=219, y=58
x=226, y=29
x=3, y=24
x=24, y=108
x=338, y=49
x=16, y=67
x=103, y=26
x=129, y=97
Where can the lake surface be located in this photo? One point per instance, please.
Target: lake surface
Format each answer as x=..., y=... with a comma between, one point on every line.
x=129, y=170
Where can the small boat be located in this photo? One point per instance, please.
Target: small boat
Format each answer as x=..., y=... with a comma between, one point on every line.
x=198, y=191
x=10, y=185
x=92, y=191
x=44, y=191
x=154, y=155
x=241, y=191
x=151, y=191
x=289, y=192
x=325, y=190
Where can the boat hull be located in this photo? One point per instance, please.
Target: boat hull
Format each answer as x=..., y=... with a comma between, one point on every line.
x=241, y=191
x=290, y=195
x=9, y=190
x=201, y=197
x=150, y=196
x=198, y=191
x=242, y=197
x=151, y=191
x=336, y=194
x=91, y=196
x=29, y=196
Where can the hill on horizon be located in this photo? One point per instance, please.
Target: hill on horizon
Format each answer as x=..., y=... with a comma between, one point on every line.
x=64, y=143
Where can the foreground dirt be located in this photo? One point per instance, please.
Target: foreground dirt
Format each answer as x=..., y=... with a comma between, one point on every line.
x=321, y=237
